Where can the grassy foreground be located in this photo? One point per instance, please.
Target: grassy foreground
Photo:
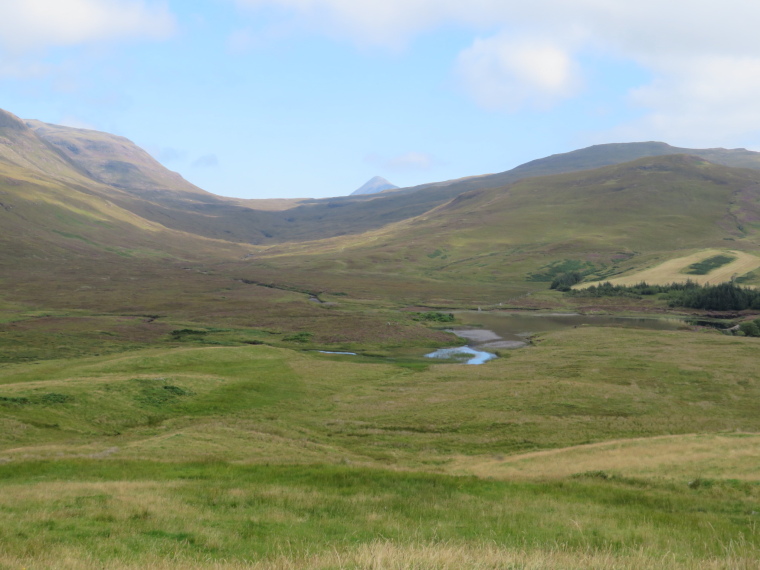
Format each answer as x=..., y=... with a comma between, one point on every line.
x=134, y=513
x=594, y=448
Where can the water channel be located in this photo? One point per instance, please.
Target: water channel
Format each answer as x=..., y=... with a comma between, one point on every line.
x=492, y=330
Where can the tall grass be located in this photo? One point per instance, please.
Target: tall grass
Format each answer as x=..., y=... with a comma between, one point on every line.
x=202, y=455
x=213, y=513
x=388, y=555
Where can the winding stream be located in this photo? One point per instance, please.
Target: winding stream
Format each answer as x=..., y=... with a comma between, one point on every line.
x=470, y=355
x=490, y=331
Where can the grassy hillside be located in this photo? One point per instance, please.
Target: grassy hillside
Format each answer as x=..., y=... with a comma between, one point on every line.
x=21, y=148
x=331, y=217
x=161, y=196
x=598, y=156
x=215, y=456
x=54, y=219
x=726, y=265
x=601, y=155
x=70, y=251
x=164, y=404
x=601, y=222
x=577, y=387
x=116, y=161
x=483, y=248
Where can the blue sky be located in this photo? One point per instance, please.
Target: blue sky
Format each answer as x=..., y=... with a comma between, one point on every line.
x=311, y=98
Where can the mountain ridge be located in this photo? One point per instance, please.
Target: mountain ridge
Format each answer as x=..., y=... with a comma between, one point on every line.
x=142, y=186
x=116, y=161
x=595, y=156
x=604, y=221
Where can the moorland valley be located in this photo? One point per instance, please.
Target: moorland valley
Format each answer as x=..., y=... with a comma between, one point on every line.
x=194, y=381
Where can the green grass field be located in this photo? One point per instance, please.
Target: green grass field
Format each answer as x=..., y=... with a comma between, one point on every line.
x=135, y=513
x=576, y=452
x=163, y=403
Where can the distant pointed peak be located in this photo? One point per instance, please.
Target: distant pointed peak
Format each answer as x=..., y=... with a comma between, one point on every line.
x=373, y=186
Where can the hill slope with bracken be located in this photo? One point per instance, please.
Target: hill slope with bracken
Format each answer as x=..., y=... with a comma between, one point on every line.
x=154, y=193
x=51, y=207
x=354, y=215
x=603, y=222
x=76, y=192
x=593, y=157
x=118, y=162
x=173, y=401
x=150, y=190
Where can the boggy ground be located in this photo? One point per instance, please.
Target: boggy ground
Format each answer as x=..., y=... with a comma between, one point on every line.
x=190, y=454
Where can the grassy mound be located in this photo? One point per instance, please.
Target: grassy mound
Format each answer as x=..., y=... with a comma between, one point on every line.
x=598, y=448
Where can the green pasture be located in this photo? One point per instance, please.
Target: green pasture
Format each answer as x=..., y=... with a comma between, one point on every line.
x=194, y=455
x=575, y=387
x=127, y=513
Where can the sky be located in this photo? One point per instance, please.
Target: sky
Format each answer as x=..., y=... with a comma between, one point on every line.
x=311, y=98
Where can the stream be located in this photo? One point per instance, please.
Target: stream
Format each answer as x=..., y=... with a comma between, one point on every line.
x=490, y=331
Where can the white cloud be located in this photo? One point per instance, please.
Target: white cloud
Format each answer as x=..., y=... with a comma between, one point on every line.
x=388, y=22
x=701, y=101
x=31, y=25
x=702, y=54
x=501, y=72
x=646, y=25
